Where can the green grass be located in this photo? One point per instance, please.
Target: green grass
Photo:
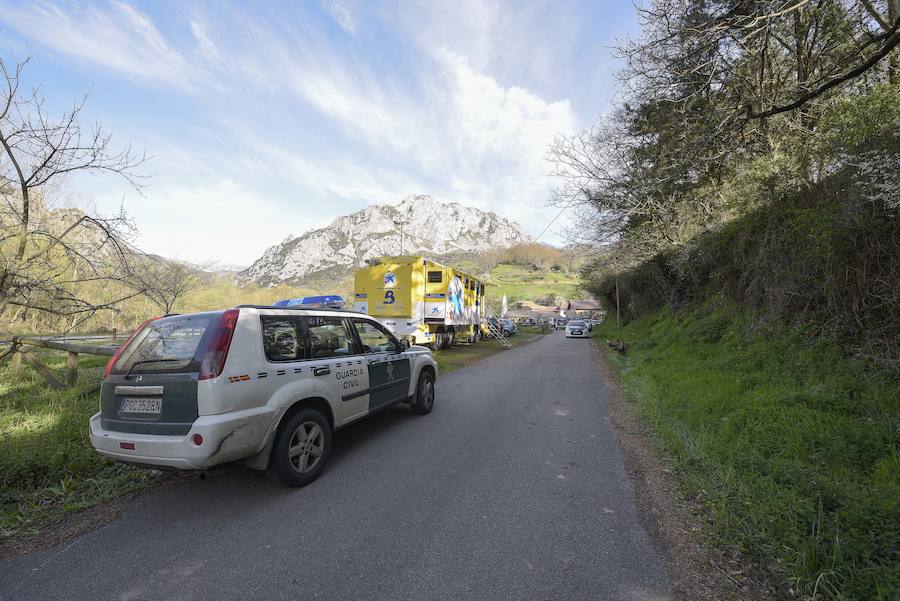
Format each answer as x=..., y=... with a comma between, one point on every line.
x=520, y=283
x=790, y=446
x=47, y=466
x=462, y=355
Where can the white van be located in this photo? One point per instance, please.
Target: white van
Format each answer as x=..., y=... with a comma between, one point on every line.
x=267, y=385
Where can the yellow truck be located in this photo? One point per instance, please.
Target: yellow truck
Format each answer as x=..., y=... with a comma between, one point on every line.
x=421, y=300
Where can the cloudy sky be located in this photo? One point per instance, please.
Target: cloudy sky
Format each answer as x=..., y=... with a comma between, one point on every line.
x=267, y=119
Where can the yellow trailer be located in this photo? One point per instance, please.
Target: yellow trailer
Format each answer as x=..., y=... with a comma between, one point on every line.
x=421, y=300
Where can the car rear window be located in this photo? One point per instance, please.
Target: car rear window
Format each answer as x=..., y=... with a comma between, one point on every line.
x=170, y=344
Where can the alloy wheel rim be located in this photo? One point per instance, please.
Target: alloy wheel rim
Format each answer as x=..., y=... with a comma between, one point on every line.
x=306, y=447
x=427, y=391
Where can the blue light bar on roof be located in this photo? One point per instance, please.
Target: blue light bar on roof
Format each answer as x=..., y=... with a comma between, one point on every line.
x=335, y=301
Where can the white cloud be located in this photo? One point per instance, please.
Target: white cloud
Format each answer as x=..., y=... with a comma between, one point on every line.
x=204, y=43
x=317, y=130
x=341, y=15
x=122, y=38
x=220, y=221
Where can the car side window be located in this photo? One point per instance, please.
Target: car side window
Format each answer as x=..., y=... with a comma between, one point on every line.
x=328, y=337
x=283, y=338
x=373, y=338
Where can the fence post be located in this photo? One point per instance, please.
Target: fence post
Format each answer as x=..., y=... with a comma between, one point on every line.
x=16, y=362
x=72, y=369
x=114, y=335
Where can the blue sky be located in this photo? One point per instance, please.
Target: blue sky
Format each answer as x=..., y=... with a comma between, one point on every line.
x=268, y=119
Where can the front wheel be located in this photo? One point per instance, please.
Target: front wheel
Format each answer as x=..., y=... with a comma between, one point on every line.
x=424, y=394
x=301, y=448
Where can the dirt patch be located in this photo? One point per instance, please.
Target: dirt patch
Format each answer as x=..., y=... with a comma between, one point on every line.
x=672, y=521
x=77, y=524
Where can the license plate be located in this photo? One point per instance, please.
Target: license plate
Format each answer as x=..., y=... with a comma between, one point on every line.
x=577, y=332
x=143, y=406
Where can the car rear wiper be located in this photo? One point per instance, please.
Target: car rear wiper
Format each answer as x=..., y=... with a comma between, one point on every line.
x=136, y=363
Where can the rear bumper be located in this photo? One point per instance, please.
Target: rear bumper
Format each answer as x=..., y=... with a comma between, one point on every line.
x=226, y=437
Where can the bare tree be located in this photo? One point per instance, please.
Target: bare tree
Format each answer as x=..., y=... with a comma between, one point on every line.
x=55, y=262
x=163, y=281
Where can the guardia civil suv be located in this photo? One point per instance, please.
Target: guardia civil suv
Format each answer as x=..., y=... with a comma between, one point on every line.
x=266, y=385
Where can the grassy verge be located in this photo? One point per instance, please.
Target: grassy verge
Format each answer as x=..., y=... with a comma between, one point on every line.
x=462, y=355
x=790, y=447
x=47, y=465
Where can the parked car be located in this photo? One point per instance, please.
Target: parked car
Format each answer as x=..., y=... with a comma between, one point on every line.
x=577, y=328
x=560, y=323
x=509, y=327
x=505, y=326
x=265, y=385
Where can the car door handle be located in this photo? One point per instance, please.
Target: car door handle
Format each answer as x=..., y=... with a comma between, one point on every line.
x=321, y=371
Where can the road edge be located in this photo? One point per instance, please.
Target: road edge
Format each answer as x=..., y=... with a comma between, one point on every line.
x=695, y=572
x=78, y=523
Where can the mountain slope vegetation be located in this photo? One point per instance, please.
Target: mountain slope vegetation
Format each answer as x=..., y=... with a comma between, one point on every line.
x=744, y=201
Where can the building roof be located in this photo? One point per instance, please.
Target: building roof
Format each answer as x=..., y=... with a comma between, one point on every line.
x=528, y=314
x=584, y=305
x=529, y=306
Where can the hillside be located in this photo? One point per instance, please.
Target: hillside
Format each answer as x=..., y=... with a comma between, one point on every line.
x=516, y=281
x=429, y=227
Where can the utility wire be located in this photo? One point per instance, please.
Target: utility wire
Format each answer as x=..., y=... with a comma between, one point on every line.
x=558, y=215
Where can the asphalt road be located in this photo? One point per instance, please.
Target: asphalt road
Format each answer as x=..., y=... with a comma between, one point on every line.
x=512, y=488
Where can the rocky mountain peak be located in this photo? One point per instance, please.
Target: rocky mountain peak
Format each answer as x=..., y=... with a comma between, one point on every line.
x=429, y=227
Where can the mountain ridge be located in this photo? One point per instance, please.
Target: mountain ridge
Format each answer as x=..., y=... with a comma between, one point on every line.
x=429, y=226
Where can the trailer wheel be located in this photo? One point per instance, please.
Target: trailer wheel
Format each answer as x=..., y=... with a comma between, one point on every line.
x=451, y=337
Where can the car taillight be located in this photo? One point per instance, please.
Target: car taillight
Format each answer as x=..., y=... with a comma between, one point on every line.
x=217, y=351
x=112, y=361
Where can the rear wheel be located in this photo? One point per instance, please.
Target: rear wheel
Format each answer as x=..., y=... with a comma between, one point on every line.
x=451, y=337
x=424, y=393
x=301, y=449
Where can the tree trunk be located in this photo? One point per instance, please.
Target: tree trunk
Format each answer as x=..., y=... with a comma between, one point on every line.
x=893, y=60
x=8, y=271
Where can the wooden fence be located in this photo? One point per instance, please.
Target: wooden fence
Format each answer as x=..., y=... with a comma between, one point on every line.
x=72, y=346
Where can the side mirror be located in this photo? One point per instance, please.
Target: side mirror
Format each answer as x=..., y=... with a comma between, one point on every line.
x=404, y=344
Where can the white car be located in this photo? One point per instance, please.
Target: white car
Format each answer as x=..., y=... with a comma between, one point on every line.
x=266, y=385
x=578, y=328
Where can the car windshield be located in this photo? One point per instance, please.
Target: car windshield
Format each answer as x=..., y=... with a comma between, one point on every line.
x=169, y=344
x=576, y=323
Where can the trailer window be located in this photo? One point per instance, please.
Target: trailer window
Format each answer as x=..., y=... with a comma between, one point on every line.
x=435, y=277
